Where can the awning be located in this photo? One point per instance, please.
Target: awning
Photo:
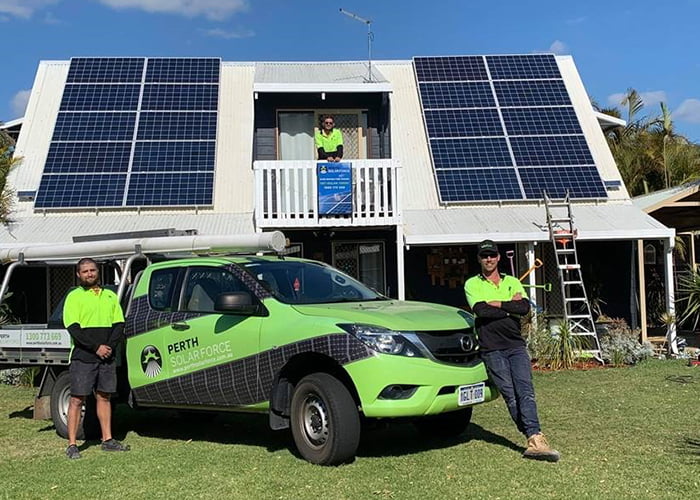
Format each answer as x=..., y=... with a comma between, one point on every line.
x=61, y=228
x=460, y=225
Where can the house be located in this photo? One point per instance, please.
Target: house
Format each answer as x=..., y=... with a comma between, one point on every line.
x=443, y=152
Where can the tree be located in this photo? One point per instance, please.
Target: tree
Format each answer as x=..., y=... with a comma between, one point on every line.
x=7, y=162
x=649, y=153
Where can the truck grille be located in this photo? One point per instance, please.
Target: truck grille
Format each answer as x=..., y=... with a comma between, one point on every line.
x=452, y=346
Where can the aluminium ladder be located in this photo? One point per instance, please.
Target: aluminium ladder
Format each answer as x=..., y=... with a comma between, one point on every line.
x=577, y=309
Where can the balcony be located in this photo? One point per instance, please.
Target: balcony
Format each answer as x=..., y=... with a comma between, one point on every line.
x=286, y=195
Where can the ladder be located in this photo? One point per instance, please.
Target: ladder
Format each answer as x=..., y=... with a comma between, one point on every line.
x=577, y=309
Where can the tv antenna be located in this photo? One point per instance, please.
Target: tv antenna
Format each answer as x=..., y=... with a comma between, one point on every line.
x=370, y=37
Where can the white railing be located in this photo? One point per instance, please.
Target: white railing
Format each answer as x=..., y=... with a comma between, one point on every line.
x=286, y=194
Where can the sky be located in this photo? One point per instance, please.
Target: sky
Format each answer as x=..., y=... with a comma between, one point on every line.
x=651, y=46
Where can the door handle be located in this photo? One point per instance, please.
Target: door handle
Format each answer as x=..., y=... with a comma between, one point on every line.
x=180, y=326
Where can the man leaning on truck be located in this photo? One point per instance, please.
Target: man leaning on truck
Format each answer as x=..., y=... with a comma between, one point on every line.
x=95, y=321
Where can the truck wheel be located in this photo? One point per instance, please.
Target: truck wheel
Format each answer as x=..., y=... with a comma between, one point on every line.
x=325, y=421
x=445, y=425
x=89, y=427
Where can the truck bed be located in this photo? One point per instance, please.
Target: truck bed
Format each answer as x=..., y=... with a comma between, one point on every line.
x=33, y=345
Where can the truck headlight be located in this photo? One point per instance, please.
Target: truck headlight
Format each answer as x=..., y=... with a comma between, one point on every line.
x=383, y=340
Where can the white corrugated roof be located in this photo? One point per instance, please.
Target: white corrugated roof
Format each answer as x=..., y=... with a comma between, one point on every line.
x=62, y=228
x=318, y=77
x=649, y=202
x=619, y=221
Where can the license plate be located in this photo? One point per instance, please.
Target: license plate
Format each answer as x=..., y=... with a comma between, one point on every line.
x=471, y=394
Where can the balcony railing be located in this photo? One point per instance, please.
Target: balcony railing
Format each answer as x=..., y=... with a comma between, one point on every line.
x=286, y=194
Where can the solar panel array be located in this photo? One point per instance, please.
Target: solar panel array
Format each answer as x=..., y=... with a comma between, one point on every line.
x=503, y=128
x=134, y=132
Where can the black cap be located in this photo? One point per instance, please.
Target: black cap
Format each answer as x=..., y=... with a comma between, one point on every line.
x=487, y=246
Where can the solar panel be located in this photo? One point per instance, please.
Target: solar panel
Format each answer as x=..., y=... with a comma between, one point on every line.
x=479, y=184
x=541, y=121
x=523, y=67
x=174, y=156
x=153, y=189
x=463, y=122
x=160, y=125
x=581, y=182
x=503, y=128
x=75, y=191
x=460, y=153
x=180, y=97
x=105, y=70
x=100, y=97
x=445, y=69
x=183, y=70
x=100, y=126
x=85, y=157
x=134, y=132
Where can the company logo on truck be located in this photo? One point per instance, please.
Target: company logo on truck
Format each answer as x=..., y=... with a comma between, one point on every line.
x=151, y=361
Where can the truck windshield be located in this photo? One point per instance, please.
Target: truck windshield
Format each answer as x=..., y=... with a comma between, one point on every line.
x=295, y=282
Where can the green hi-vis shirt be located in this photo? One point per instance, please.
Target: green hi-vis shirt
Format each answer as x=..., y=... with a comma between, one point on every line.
x=93, y=317
x=330, y=142
x=497, y=328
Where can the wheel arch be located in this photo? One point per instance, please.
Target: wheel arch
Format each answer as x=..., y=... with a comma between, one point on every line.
x=292, y=372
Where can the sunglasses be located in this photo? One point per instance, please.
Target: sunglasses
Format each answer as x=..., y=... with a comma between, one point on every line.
x=328, y=123
x=485, y=256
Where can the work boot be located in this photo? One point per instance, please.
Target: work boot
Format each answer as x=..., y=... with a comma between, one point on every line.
x=114, y=445
x=538, y=449
x=73, y=452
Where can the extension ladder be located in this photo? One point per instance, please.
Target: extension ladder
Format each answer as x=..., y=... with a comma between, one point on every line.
x=577, y=310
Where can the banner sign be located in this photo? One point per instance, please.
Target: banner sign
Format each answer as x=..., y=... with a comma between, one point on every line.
x=334, y=188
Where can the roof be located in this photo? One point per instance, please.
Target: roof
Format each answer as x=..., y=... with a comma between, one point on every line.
x=619, y=221
x=318, y=77
x=675, y=207
x=62, y=228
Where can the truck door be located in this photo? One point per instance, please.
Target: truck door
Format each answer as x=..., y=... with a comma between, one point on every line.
x=202, y=346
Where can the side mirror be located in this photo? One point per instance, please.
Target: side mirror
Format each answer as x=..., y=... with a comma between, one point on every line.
x=236, y=303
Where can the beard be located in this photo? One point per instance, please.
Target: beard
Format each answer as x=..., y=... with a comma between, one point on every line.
x=90, y=283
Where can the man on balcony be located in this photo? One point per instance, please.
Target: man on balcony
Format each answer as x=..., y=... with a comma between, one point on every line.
x=329, y=140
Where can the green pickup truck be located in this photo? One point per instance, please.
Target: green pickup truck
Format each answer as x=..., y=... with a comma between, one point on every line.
x=295, y=339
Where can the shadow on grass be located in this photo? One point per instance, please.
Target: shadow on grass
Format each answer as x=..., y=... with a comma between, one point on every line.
x=27, y=413
x=393, y=439
x=691, y=447
x=234, y=428
x=403, y=439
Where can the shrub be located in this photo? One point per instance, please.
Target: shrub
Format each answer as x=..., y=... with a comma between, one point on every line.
x=562, y=348
x=620, y=345
x=19, y=376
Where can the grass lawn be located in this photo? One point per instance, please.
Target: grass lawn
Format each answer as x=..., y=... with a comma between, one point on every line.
x=622, y=432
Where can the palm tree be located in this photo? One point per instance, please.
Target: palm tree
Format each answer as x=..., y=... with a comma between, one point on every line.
x=649, y=153
x=7, y=162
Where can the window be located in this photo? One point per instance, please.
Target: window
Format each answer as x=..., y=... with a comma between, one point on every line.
x=204, y=284
x=161, y=289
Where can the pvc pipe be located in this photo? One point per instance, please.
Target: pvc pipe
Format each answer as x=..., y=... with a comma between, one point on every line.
x=256, y=242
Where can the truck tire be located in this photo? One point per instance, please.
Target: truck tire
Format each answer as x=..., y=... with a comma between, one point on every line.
x=89, y=427
x=445, y=425
x=325, y=421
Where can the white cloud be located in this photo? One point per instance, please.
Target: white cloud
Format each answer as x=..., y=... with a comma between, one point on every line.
x=688, y=111
x=18, y=104
x=228, y=35
x=211, y=9
x=23, y=8
x=650, y=99
x=616, y=99
x=49, y=18
x=558, y=47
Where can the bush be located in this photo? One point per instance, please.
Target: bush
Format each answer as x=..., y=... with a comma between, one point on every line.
x=620, y=345
x=551, y=345
x=19, y=376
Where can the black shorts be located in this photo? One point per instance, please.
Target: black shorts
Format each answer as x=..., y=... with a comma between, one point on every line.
x=86, y=377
